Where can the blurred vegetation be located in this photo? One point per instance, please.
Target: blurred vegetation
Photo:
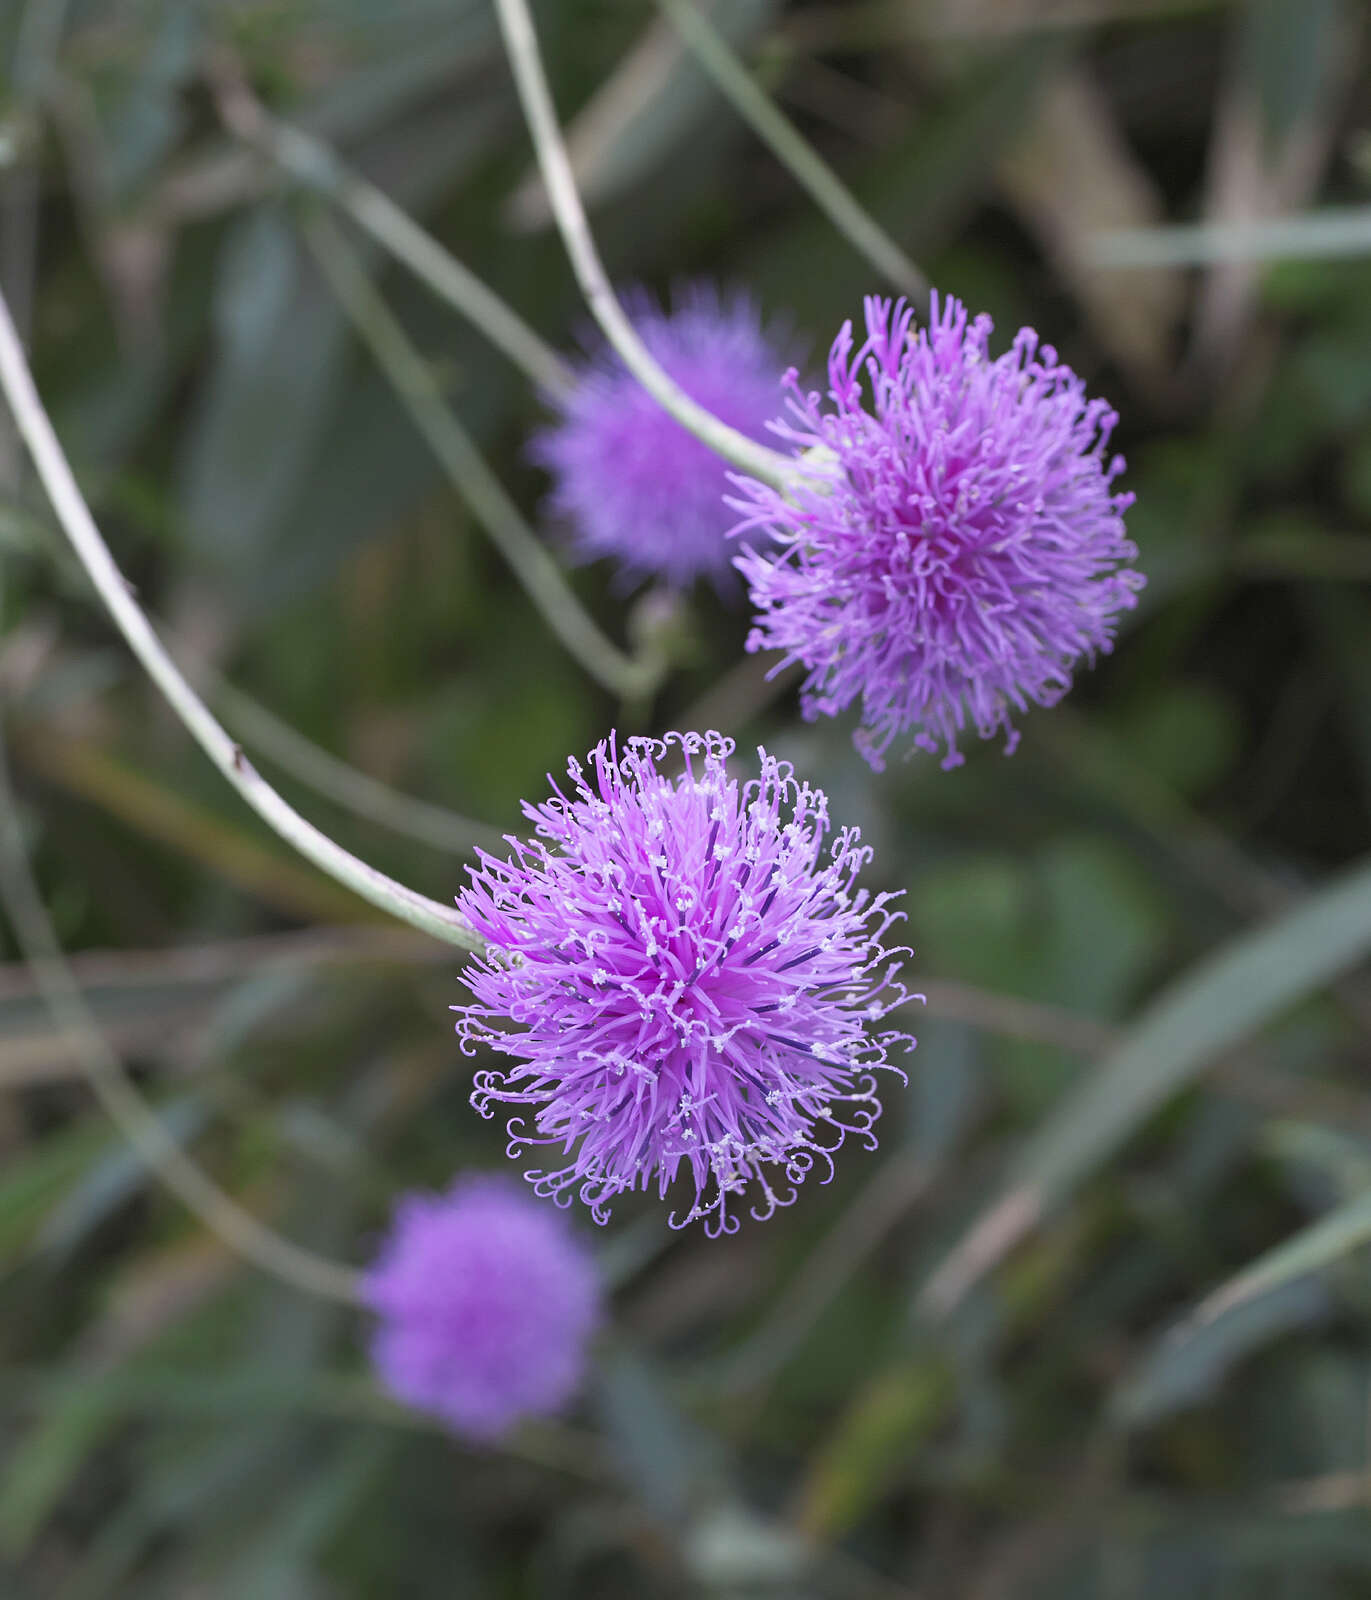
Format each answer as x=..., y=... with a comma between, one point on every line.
x=878, y=1393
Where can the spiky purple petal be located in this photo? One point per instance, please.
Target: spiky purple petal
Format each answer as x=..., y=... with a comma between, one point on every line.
x=953, y=545
x=686, y=980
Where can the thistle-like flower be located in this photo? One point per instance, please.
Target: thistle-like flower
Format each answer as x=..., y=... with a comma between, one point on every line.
x=688, y=981
x=485, y=1301
x=629, y=482
x=952, y=544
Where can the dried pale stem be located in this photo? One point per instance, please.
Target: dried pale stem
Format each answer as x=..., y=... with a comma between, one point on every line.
x=521, y=45
x=828, y=191
x=74, y=1020
x=117, y=594
x=316, y=165
x=414, y=383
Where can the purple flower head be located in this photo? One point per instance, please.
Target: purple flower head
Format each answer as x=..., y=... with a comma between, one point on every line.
x=629, y=482
x=687, y=980
x=486, y=1302
x=955, y=546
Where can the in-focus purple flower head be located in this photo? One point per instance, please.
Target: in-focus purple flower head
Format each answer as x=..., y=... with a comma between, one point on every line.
x=953, y=546
x=629, y=483
x=486, y=1301
x=688, y=980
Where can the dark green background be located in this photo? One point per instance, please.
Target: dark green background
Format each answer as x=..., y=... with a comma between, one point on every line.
x=770, y=1414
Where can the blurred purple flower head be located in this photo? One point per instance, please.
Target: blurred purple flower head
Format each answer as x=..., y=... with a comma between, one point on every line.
x=628, y=481
x=486, y=1302
x=955, y=546
x=687, y=980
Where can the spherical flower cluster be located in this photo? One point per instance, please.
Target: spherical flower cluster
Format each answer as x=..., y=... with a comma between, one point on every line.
x=486, y=1302
x=688, y=981
x=952, y=545
x=629, y=482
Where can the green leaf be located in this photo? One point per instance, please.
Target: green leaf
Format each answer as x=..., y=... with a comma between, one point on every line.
x=664, y=1457
x=118, y=1174
x=1186, y=1367
x=38, y=1472
x=891, y=1415
x=286, y=1546
x=37, y=1180
x=1320, y=1245
x=280, y=345
x=1224, y=1000
x=183, y=1394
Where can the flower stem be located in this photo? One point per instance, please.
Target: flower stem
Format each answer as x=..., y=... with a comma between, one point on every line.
x=521, y=45
x=317, y=166
x=413, y=381
x=117, y=594
x=73, y=1017
x=717, y=57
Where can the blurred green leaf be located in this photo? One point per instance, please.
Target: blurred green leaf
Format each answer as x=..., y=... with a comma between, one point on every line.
x=280, y=343
x=893, y=1415
x=1229, y=996
x=1283, y=51
x=1226, y=998
x=656, y=1449
x=1187, y=735
x=112, y=1180
x=279, y=1561
x=34, y=1181
x=1320, y=1245
x=42, y=1468
x=1078, y=924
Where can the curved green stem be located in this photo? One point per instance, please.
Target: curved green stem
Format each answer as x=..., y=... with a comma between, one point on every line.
x=521, y=45
x=117, y=594
x=716, y=56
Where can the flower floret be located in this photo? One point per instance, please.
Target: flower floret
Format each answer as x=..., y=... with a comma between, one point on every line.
x=698, y=985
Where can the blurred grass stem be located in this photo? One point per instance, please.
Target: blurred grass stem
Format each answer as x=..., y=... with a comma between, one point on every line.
x=521, y=44
x=318, y=167
x=413, y=381
x=117, y=594
x=158, y=1148
x=732, y=79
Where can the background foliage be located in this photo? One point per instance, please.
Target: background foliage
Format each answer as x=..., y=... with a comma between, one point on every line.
x=851, y=1399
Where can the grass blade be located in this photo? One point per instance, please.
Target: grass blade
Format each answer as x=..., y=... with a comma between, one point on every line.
x=1222, y=1001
